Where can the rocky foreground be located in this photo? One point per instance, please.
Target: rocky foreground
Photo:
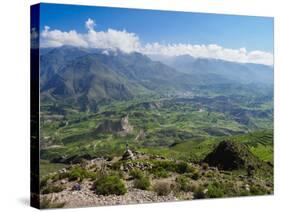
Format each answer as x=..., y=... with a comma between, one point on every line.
x=140, y=178
x=86, y=197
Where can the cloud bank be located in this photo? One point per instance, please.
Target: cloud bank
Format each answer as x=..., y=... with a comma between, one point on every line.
x=129, y=42
x=110, y=39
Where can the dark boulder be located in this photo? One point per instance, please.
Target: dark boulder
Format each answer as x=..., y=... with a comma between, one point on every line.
x=230, y=155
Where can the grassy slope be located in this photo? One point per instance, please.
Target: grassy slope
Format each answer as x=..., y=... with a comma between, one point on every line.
x=259, y=142
x=46, y=167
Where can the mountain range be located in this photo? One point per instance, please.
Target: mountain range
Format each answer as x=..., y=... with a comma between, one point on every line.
x=83, y=78
x=238, y=72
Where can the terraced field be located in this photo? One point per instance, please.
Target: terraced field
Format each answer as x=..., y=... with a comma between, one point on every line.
x=177, y=127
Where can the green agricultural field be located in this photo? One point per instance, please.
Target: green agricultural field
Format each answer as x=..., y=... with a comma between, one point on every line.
x=186, y=128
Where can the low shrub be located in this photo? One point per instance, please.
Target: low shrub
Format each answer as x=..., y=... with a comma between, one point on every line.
x=195, y=175
x=182, y=183
x=166, y=165
x=192, y=187
x=136, y=173
x=59, y=176
x=162, y=188
x=160, y=172
x=118, y=173
x=182, y=167
x=172, y=166
x=199, y=193
x=244, y=193
x=44, y=181
x=215, y=191
x=109, y=184
x=205, y=166
x=116, y=165
x=257, y=190
x=52, y=189
x=142, y=183
x=209, y=174
x=185, y=184
x=161, y=169
x=47, y=203
x=78, y=173
x=230, y=188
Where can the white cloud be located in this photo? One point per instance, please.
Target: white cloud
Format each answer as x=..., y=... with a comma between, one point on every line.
x=90, y=24
x=210, y=51
x=56, y=38
x=130, y=42
x=110, y=39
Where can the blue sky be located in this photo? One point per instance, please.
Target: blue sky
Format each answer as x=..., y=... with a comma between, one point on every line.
x=229, y=37
x=229, y=31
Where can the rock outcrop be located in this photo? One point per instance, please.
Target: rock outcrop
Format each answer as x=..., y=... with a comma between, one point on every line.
x=128, y=155
x=230, y=155
x=122, y=127
x=127, y=128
